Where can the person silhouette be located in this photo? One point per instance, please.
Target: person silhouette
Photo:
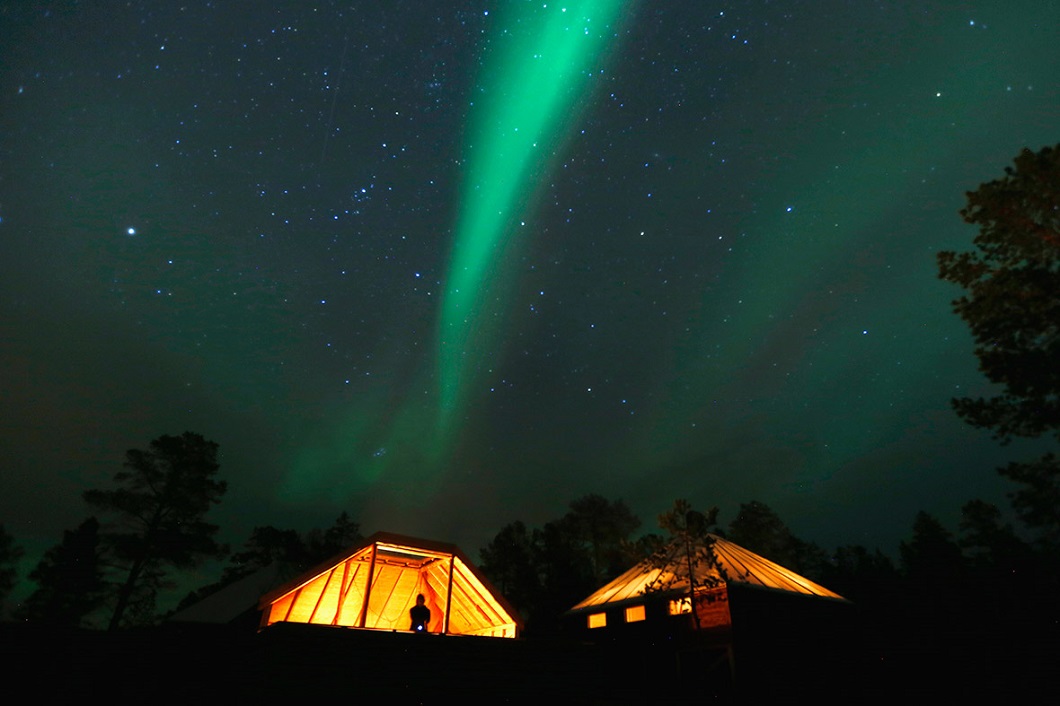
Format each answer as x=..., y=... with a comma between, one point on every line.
x=420, y=614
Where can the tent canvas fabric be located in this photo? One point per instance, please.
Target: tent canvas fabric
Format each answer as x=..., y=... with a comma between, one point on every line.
x=740, y=566
x=235, y=600
x=374, y=585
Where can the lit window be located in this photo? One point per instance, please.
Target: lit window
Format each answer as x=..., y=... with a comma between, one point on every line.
x=680, y=605
x=598, y=620
x=635, y=614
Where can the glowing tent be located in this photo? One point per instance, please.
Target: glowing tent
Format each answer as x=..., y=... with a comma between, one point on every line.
x=376, y=584
x=791, y=636
x=654, y=590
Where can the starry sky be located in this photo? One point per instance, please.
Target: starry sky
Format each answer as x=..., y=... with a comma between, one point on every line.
x=446, y=265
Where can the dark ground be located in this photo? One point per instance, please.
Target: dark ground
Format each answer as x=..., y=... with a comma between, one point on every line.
x=211, y=663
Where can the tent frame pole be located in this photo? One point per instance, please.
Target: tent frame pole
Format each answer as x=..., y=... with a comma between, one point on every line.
x=368, y=588
x=448, y=596
x=344, y=590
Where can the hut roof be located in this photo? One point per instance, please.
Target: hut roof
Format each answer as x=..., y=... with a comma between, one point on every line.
x=669, y=575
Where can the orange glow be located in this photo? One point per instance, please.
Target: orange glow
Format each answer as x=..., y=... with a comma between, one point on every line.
x=739, y=564
x=376, y=584
x=712, y=608
x=667, y=583
x=680, y=605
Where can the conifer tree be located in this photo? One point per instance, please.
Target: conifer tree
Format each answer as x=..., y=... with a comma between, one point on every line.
x=159, y=510
x=1012, y=306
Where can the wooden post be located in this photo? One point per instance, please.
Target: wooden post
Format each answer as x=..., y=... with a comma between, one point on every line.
x=368, y=588
x=320, y=598
x=448, y=596
x=344, y=590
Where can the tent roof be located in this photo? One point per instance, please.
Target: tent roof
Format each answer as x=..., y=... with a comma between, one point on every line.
x=374, y=584
x=229, y=602
x=740, y=565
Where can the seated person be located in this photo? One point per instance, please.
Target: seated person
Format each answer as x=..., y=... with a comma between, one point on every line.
x=420, y=614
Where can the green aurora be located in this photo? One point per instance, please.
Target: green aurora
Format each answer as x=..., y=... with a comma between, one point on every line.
x=538, y=68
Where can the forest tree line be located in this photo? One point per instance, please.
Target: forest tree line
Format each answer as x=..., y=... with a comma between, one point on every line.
x=543, y=571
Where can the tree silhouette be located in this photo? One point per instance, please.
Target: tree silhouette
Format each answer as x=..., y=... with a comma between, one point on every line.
x=564, y=569
x=10, y=553
x=1038, y=501
x=602, y=527
x=69, y=579
x=858, y=574
x=931, y=559
x=266, y=545
x=509, y=562
x=342, y=535
x=1000, y=563
x=692, y=542
x=543, y=572
x=293, y=552
x=1012, y=306
x=160, y=506
x=988, y=542
x=758, y=528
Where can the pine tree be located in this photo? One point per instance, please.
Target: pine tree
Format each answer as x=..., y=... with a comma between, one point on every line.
x=160, y=507
x=1012, y=306
x=10, y=553
x=69, y=579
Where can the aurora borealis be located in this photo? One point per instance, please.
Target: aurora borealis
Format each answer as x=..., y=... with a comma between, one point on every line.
x=449, y=265
x=535, y=71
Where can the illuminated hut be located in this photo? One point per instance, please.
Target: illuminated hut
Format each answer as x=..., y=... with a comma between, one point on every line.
x=789, y=632
x=375, y=585
x=658, y=590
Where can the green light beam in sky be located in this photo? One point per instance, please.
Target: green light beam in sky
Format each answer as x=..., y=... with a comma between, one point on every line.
x=537, y=68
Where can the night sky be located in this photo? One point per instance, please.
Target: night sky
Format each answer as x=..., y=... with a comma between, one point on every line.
x=446, y=265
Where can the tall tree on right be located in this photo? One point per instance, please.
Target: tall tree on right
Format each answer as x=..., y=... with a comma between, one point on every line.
x=1012, y=306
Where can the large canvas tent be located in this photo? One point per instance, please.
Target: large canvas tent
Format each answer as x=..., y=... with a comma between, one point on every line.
x=659, y=588
x=374, y=585
x=792, y=636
